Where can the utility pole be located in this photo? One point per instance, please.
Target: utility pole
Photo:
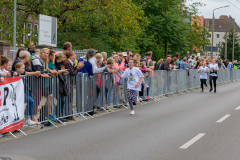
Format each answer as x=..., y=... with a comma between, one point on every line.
x=212, y=36
x=225, y=46
x=213, y=29
x=233, y=43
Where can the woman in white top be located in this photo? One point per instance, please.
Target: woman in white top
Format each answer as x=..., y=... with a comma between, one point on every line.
x=203, y=75
x=135, y=77
x=213, y=75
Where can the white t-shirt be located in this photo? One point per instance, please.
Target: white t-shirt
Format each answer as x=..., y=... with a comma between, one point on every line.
x=133, y=77
x=211, y=66
x=203, y=74
x=3, y=71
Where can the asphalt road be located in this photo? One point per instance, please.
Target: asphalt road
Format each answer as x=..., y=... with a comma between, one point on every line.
x=180, y=128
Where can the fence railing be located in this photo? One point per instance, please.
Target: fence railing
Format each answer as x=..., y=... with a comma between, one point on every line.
x=81, y=95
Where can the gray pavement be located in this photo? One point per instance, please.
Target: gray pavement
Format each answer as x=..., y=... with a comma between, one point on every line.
x=156, y=132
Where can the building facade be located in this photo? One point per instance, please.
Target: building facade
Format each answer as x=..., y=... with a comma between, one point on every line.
x=221, y=27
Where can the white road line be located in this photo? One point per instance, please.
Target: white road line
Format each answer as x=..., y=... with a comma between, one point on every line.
x=223, y=118
x=238, y=108
x=195, y=139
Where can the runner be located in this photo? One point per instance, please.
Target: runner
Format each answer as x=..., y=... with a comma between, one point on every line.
x=213, y=75
x=203, y=75
x=135, y=78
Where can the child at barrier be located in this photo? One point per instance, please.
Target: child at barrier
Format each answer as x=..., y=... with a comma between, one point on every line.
x=69, y=63
x=135, y=78
x=20, y=68
x=62, y=86
x=5, y=67
x=116, y=78
x=111, y=88
x=203, y=75
x=145, y=86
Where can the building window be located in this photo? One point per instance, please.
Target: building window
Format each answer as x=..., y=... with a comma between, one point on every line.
x=29, y=28
x=218, y=35
x=36, y=27
x=209, y=36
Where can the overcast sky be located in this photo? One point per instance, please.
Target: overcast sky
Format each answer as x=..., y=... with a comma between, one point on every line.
x=207, y=10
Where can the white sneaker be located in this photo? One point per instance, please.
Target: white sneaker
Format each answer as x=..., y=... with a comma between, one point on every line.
x=132, y=112
x=30, y=122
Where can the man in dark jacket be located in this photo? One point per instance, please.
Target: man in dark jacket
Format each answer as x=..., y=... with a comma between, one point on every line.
x=224, y=62
x=166, y=65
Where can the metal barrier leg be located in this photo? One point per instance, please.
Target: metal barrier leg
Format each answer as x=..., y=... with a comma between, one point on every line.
x=12, y=134
x=22, y=132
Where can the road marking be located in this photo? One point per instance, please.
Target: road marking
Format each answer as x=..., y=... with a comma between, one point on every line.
x=238, y=108
x=192, y=141
x=223, y=118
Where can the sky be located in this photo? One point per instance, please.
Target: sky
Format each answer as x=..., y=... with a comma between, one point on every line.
x=207, y=11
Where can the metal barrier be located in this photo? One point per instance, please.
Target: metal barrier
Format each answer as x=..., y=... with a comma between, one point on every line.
x=49, y=100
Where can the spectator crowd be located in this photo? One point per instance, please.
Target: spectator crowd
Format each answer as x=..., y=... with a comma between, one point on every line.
x=47, y=64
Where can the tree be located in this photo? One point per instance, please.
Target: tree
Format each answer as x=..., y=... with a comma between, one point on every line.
x=169, y=26
x=198, y=37
x=230, y=46
x=120, y=20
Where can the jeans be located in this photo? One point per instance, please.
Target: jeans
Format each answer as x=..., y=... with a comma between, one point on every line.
x=29, y=100
x=61, y=106
x=112, y=92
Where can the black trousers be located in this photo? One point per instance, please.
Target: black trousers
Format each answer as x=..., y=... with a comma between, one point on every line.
x=214, y=79
x=203, y=81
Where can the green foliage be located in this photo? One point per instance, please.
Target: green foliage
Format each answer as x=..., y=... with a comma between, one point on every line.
x=230, y=46
x=161, y=26
x=198, y=37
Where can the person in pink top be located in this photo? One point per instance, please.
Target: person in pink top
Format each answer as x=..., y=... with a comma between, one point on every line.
x=116, y=78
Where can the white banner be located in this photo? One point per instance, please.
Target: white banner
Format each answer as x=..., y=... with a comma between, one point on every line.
x=11, y=104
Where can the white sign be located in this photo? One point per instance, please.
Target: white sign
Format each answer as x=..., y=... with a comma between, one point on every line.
x=47, y=31
x=11, y=104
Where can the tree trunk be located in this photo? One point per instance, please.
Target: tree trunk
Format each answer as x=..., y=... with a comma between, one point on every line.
x=166, y=48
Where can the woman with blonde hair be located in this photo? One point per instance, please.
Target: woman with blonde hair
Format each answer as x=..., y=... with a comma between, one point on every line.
x=40, y=62
x=159, y=64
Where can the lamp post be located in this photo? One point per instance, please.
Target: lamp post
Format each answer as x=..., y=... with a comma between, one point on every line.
x=213, y=29
x=14, y=29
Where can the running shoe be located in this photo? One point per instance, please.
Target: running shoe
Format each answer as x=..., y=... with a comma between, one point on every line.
x=29, y=122
x=132, y=112
x=51, y=118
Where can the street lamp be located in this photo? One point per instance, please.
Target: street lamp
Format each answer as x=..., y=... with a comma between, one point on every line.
x=14, y=28
x=213, y=28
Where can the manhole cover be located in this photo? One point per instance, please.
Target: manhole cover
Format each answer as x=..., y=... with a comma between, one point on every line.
x=5, y=158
